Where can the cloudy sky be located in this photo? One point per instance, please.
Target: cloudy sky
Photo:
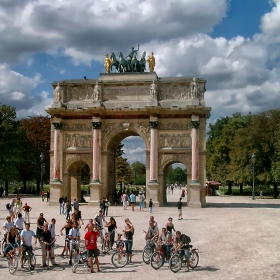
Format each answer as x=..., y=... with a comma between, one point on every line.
x=235, y=45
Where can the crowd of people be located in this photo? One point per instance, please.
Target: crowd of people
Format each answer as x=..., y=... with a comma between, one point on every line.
x=18, y=233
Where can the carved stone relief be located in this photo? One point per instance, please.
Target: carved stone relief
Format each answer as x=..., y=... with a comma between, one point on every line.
x=77, y=140
x=181, y=92
x=69, y=159
x=77, y=127
x=174, y=140
x=120, y=92
x=80, y=93
x=174, y=126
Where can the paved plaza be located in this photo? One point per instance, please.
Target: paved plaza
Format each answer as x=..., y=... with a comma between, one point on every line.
x=238, y=238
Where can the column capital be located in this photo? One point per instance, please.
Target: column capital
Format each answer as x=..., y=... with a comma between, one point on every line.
x=96, y=125
x=57, y=125
x=153, y=124
x=195, y=124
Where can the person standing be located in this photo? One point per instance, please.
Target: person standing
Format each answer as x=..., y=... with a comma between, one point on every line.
x=91, y=246
x=151, y=205
x=99, y=219
x=26, y=243
x=112, y=225
x=68, y=209
x=170, y=225
x=40, y=223
x=124, y=201
x=46, y=239
x=132, y=198
x=76, y=204
x=179, y=206
x=141, y=201
x=51, y=228
x=128, y=233
x=26, y=208
x=74, y=236
x=61, y=200
x=19, y=222
x=48, y=195
x=43, y=195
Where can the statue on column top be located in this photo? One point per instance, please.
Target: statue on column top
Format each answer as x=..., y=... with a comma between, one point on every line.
x=58, y=93
x=194, y=89
x=107, y=63
x=152, y=62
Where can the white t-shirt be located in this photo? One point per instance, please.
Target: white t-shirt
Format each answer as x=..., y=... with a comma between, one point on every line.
x=27, y=235
x=19, y=223
x=74, y=232
x=8, y=225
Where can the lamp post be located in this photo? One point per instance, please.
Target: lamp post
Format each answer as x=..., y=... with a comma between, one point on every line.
x=42, y=169
x=253, y=171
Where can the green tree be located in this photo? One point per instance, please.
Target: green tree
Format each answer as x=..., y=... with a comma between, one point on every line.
x=139, y=173
x=177, y=175
x=10, y=144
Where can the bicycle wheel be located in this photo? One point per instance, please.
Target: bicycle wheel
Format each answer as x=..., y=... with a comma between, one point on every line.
x=3, y=245
x=175, y=263
x=74, y=257
x=75, y=264
x=119, y=259
x=13, y=264
x=157, y=260
x=194, y=259
x=146, y=254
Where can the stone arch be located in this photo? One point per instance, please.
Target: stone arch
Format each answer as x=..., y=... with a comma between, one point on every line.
x=108, y=148
x=165, y=161
x=72, y=175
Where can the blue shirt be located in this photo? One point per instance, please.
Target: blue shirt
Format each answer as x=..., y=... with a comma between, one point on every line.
x=132, y=198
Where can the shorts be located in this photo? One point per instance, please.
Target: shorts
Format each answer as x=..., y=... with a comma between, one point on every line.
x=180, y=211
x=75, y=245
x=132, y=203
x=26, y=249
x=92, y=253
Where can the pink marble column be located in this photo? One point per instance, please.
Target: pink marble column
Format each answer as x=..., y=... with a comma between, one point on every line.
x=195, y=149
x=56, y=154
x=153, y=151
x=95, y=150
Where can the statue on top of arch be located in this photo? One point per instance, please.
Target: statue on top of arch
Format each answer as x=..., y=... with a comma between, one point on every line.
x=130, y=63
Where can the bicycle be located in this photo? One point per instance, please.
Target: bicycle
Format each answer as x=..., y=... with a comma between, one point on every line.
x=82, y=258
x=66, y=245
x=75, y=244
x=30, y=258
x=120, y=258
x=148, y=250
x=159, y=256
x=13, y=259
x=175, y=262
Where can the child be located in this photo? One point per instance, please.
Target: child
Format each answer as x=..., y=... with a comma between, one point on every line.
x=151, y=205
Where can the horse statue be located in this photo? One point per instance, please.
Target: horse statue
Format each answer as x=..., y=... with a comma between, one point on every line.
x=142, y=62
x=123, y=64
x=134, y=63
x=114, y=62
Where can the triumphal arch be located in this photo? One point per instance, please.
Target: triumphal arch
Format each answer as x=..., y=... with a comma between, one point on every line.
x=90, y=117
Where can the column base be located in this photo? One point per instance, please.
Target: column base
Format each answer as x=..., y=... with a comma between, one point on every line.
x=152, y=192
x=95, y=193
x=194, y=195
x=56, y=189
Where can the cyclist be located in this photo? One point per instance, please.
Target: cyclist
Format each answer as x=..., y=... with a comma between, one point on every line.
x=46, y=239
x=26, y=242
x=19, y=222
x=91, y=245
x=74, y=236
x=181, y=242
x=12, y=240
x=152, y=232
x=164, y=239
x=152, y=218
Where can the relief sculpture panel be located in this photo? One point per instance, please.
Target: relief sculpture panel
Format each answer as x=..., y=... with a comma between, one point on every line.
x=77, y=140
x=174, y=140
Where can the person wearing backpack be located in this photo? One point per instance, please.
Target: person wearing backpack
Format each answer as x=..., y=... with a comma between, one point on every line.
x=182, y=242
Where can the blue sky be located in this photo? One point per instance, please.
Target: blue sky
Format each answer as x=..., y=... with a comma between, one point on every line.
x=233, y=44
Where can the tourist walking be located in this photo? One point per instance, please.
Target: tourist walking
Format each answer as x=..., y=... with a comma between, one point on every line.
x=151, y=204
x=179, y=206
x=132, y=198
x=141, y=201
x=26, y=209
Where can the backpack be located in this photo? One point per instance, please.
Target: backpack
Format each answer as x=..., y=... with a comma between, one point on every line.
x=187, y=238
x=8, y=206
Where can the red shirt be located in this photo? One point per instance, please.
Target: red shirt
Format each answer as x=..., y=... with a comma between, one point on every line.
x=91, y=240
